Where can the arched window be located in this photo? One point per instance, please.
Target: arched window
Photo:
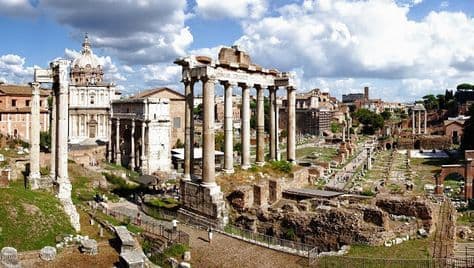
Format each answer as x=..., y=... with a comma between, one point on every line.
x=92, y=98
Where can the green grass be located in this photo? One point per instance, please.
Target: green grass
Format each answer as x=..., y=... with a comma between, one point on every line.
x=316, y=153
x=164, y=203
x=465, y=219
x=30, y=219
x=411, y=249
x=176, y=251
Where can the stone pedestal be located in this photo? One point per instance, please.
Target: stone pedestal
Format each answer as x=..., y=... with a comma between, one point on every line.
x=204, y=200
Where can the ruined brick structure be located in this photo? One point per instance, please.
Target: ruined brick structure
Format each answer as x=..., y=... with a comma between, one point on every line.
x=465, y=169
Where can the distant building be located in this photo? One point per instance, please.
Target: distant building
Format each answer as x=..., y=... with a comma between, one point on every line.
x=15, y=111
x=314, y=112
x=176, y=113
x=89, y=98
x=454, y=128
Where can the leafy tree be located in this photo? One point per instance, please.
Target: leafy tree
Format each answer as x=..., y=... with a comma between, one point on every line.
x=336, y=127
x=238, y=147
x=371, y=121
x=452, y=107
x=386, y=115
x=441, y=101
x=467, y=142
x=179, y=144
x=45, y=140
x=219, y=141
x=197, y=111
x=430, y=101
x=465, y=86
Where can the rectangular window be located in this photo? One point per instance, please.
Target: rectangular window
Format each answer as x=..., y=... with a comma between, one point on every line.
x=13, y=103
x=27, y=103
x=41, y=103
x=177, y=122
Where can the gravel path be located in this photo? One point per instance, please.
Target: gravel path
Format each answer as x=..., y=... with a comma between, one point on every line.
x=225, y=251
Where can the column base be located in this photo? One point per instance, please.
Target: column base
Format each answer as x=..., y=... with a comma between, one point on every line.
x=205, y=200
x=33, y=180
x=186, y=177
x=245, y=167
x=228, y=171
x=260, y=164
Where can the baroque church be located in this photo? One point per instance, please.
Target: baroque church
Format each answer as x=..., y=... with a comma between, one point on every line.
x=90, y=98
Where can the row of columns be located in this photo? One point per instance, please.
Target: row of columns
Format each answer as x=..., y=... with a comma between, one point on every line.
x=117, y=151
x=414, y=127
x=208, y=170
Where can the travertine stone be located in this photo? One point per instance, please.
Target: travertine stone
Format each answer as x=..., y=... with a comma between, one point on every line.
x=291, y=139
x=228, y=130
x=260, y=127
x=54, y=112
x=208, y=157
x=245, y=127
x=118, y=156
x=34, y=175
x=189, y=129
x=273, y=111
x=132, y=145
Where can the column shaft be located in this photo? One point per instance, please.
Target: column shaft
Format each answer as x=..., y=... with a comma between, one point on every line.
x=132, y=145
x=277, y=128
x=189, y=129
x=272, y=124
x=245, y=127
x=109, y=137
x=35, y=136
x=426, y=122
x=118, y=156
x=260, y=159
x=54, y=137
x=143, y=164
x=291, y=139
x=419, y=122
x=208, y=150
x=228, y=130
x=413, y=126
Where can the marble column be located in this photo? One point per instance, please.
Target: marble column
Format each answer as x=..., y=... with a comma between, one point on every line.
x=277, y=127
x=260, y=158
x=272, y=94
x=413, y=125
x=35, y=175
x=132, y=145
x=188, y=129
x=118, y=156
x=245, y=127
x=109, y=136
x=228, y=130
x=344, y=131
x=143, y=165
x=208, y=148
x=426, y=122
x=419, y=122
x=62, y=123
x=54, y=137
x=291, y=135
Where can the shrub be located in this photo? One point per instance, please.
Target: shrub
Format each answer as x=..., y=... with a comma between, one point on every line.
x=283, y=166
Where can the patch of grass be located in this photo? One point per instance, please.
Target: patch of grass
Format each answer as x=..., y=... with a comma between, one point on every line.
x=465, y=219
x=282, y=166
x=30, y=219
x=163, y=203
x=175, y=251
x=411, y=249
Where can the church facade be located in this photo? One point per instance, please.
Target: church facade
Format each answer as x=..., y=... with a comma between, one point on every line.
x=90, y=98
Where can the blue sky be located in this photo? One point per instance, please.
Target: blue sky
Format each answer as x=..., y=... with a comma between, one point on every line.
x=402, y=49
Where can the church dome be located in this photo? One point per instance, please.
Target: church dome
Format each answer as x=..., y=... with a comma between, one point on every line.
x=87, y=59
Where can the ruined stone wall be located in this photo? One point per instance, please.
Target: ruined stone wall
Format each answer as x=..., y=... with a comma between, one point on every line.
x=418, y=208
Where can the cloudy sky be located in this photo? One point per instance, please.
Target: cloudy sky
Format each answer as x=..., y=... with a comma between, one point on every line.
x=402, y=49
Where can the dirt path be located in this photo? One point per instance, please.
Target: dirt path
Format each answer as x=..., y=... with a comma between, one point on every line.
x=225, y=251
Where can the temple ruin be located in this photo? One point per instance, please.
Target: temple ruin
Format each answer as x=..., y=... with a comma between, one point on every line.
x=57, y=74
x=233, y=68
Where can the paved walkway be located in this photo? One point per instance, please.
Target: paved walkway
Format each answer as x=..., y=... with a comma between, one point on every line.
x=225, y=251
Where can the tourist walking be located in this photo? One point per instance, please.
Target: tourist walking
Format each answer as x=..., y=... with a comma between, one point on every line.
x=209, y=234
x=174, y=222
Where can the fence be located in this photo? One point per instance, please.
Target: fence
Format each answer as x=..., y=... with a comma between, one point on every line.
x=158, y=213
x=350, y=262
x=150, y=226
x=272, y=242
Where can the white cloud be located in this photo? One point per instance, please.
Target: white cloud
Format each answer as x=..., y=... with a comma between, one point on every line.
x=342, y=39
x=444, y=4
x=161, y=74
x=13, y=69
x=136, y=31
x=128, y=69
x=242, y=9
x=16, y=8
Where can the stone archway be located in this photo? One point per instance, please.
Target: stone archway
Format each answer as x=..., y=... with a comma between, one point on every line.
x=462, y=170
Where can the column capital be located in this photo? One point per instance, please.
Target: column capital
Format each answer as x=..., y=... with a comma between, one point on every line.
x=243, y=85
x=35, y=85
x=227, y=84
x=290, y=88
x=272, y=88
x=208, y=79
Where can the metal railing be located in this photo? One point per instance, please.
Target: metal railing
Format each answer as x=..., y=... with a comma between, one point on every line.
x=273, y=242
x=350, y=262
